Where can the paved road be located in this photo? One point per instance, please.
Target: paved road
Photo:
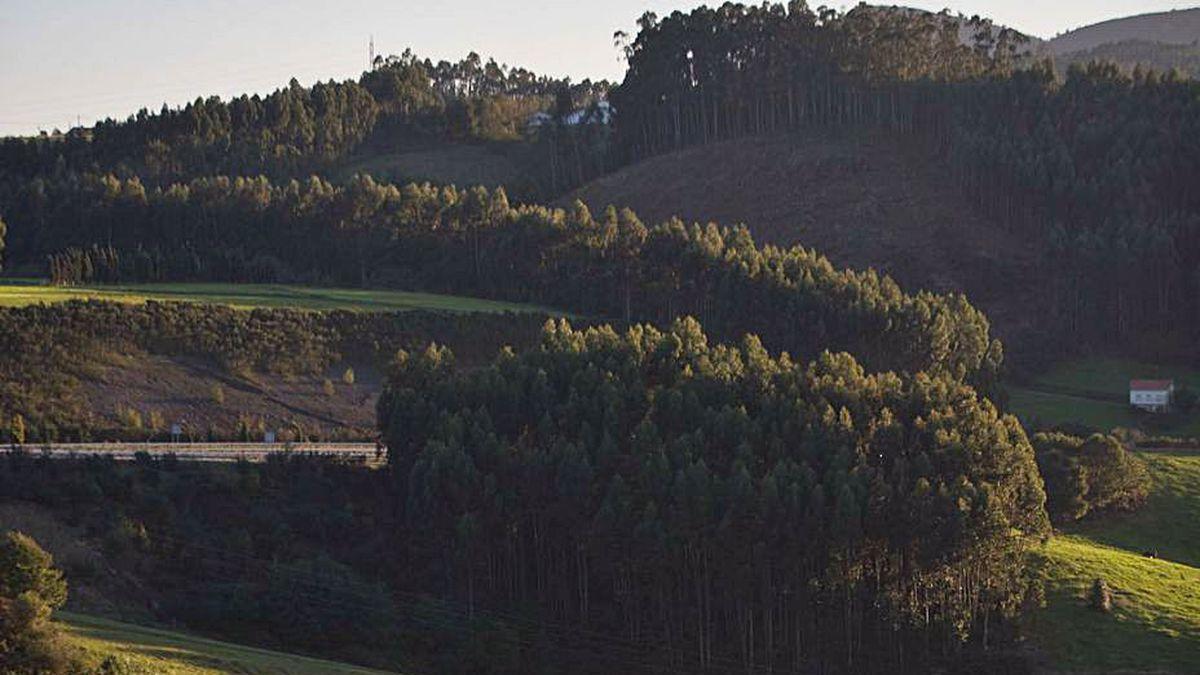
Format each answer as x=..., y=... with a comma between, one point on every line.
x=209, y=452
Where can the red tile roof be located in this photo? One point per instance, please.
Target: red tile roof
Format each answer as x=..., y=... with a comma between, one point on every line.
x=1150, y=385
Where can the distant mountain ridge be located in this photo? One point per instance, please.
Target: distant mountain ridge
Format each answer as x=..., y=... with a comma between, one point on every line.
x=1176, y=27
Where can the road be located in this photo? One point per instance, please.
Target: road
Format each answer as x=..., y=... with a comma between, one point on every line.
x=209, y=452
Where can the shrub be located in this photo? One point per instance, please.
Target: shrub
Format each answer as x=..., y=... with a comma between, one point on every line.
x=130, y=418
x=218, y=394
x=16, y=429
x=1100, y=598
x=348, y=376
x=327, y=387
x=156, y=422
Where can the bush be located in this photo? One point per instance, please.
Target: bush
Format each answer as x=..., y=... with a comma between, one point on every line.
x=1100, y=598
x=16, y=429
x=130, y=419
x=348, y=376
x=218, y=394
x=1083, y=476
x=156, y=421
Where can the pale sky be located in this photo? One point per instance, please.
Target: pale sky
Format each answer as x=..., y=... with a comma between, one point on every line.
x=62, y=60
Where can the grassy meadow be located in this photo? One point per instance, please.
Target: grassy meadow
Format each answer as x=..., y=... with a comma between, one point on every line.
x=1094, y=392
x=151, y=651
x=21, y=292
x=1155, y=622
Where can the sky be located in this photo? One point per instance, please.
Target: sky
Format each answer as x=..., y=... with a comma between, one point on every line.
x=69, y=61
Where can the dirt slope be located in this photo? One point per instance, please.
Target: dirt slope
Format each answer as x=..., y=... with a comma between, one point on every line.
x=862, y=201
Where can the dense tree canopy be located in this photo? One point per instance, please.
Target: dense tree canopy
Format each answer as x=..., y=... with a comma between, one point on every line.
x=739, y=69
x=725, y=504
x=474, y=242
x=1101, y=169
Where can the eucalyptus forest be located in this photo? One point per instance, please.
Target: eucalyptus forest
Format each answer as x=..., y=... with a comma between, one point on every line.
x=691, y=451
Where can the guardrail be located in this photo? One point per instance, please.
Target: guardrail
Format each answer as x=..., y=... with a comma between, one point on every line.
x=368, y=453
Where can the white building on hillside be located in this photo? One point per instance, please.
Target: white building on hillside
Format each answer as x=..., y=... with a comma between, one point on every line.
x=1151, y=395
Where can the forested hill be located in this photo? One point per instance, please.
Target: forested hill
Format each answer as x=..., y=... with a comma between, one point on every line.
x=1096, y=170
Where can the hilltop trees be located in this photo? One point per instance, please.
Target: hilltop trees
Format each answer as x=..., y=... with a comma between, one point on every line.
x=748, y=69
x=738, y=509
x=297, y=130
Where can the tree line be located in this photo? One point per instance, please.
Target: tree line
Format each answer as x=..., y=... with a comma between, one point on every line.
x=400, y=103
x=737, y=510
x=474, y=242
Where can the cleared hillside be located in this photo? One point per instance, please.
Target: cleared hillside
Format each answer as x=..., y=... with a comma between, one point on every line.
x=1175, y=27
x=864, y=201
x=179, y=389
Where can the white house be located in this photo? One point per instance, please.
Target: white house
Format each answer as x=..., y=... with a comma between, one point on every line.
x=599, y=113
x=1151, y=395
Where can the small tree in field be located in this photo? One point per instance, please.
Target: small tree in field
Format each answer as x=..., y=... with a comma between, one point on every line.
x=1100, y=598
x=348, y=376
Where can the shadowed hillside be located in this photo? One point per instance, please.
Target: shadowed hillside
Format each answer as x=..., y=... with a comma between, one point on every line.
x=861, y=200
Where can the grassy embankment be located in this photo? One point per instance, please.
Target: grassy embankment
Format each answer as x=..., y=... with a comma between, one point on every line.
x=21, y=292
x=152, y=651
x=1155, y=623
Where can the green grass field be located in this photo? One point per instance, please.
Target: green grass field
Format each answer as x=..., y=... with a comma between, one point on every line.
x=21, y=292
x=152, y=651
x=1155, y=624
x=1094, y=392
x=1113, y=375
